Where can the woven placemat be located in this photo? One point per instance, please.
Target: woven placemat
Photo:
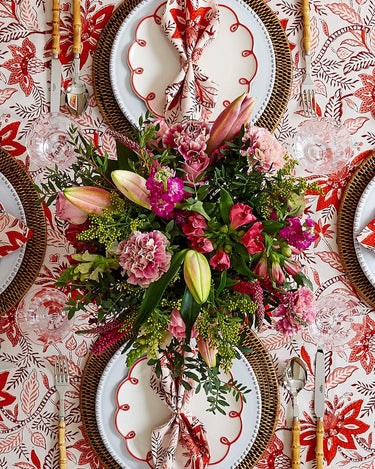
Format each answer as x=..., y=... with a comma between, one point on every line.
x=260, y=362
x=102, y=84
x=345, y=220
x=36, y=246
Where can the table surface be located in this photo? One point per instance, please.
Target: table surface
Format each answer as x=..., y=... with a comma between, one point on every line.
x=343, y=65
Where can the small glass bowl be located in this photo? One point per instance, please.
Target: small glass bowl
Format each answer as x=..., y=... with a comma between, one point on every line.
x=47, y=141
x=322, y=146
x=41, y=318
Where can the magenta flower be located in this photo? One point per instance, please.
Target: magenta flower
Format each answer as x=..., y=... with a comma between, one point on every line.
x=165, y=191
x=253, y=239
x=296, y=235
x=220, y=260
x=263, y=148
x=144, y=257
x=241, y=214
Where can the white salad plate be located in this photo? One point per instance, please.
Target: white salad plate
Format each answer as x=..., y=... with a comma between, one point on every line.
x=143, y=61
x=365, y=212
x=12, y=204
x=116, y=392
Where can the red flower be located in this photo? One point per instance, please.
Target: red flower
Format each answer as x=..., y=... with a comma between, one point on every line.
x=7, y=136
x=340, y=425
x=220, y=260
x=367, y=93
x=364, y=347
x=22, y=65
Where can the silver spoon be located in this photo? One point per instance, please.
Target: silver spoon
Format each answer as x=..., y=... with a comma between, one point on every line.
x=77, y=95
x=295, y=376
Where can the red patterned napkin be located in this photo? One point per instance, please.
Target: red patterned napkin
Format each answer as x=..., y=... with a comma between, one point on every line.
x=367, y=236
x=182, y=429
x=190, y=25
x=13, y=233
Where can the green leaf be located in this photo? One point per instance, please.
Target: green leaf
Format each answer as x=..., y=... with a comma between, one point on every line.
x=223, y=282
x=189, y=311
x=156, y=290
x=226, y=204
x=196, y=206
x=124, y=157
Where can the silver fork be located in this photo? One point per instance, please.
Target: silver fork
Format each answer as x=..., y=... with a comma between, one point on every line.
x=308, y=86
x=62, y=384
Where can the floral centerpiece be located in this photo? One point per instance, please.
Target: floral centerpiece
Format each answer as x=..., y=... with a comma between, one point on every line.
x=185, y=238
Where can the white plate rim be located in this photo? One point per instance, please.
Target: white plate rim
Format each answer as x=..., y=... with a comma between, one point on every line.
x=103, y=387
x=361, y=219
x=11, y=263
x=135, y=101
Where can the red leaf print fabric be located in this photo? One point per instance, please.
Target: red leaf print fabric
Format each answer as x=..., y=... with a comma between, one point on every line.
x=5, y=397
x=190, y=25
x=340, y=425
x=13, y=233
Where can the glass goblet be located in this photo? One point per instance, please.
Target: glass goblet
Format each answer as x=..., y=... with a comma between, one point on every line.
x=339, y=321
x=322, y=146
x=47, y=141
x=41, y=318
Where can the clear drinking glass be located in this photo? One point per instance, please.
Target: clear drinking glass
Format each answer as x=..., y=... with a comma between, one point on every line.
x=47, y=141
x=41, y=318
x=339, y=321
x=322, y=146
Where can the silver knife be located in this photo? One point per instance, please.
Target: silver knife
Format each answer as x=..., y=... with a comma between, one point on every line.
x=5, y=366
x=55, y=62
x=319, y=406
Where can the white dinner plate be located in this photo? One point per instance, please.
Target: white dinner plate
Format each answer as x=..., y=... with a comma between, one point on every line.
x=10, y=263
x=221, y=62
x=106, y=408
x=364, y=213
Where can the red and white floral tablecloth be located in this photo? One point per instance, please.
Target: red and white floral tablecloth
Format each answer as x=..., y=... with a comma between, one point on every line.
x=343, y=65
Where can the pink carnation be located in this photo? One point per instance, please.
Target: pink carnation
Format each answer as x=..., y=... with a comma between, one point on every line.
x=189, y=137
x=299, y=310
x=144, y=257
x=264, y=147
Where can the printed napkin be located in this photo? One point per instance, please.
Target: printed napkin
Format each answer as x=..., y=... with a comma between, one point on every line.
x=13, y=233
x=190, y=25
x=367, y=236
x=182, y=429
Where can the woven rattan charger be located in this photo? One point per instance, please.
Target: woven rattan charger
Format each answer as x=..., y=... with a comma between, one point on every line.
x=345, y=220
x=101, y=76
x=260, y=362
x=36, y=246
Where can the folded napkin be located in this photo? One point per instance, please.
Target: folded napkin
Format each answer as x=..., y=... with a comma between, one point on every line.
x=190, y=25
x=182, y=429
x=367, y=236
x=13, y=233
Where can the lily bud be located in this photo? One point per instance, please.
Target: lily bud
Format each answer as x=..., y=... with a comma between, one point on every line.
x=208, y=353
x=229, y=122
x=197, y=274
x=132, y=186
x=91, y=200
